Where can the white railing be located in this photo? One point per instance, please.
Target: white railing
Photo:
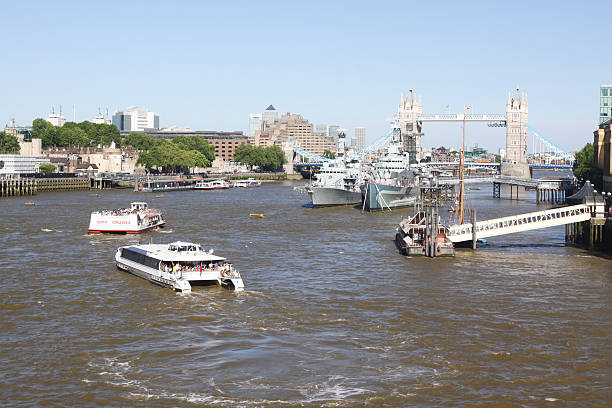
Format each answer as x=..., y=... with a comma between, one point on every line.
x=520, y=223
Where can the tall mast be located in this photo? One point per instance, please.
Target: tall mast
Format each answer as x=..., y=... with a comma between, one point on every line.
x=459, y=211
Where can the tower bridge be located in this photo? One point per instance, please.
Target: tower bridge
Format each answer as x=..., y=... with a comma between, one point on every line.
x=410, y=117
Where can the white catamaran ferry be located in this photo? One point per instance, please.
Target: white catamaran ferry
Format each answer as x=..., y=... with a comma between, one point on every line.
x=136, y=219
x=250, y=182
x=212, y=185
x=178, y=265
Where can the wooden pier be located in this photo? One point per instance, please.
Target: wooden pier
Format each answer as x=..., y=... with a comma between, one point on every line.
x=31, y=186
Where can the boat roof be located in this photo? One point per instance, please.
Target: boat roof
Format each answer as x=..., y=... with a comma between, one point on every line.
x=178, y=251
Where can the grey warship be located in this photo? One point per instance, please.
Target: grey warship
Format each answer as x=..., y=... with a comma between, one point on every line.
x=338, y=182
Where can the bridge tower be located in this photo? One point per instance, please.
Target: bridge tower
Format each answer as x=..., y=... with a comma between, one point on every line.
x=517, y=112
x=409, y=111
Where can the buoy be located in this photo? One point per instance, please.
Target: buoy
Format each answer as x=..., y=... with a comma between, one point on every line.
x=256, y=215
x=29, y=203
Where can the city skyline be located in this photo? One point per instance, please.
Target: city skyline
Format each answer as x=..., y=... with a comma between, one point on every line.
x=469, y=55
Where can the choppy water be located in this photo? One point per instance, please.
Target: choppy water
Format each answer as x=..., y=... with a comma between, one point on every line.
x=332, y=314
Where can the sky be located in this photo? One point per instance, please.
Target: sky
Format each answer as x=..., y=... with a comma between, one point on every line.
x=208, y=65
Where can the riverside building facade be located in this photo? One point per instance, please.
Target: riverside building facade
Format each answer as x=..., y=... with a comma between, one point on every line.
x=605, y=103
x=293, y=128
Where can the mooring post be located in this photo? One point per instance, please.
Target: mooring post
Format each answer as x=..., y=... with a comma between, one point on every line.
x=474, y=239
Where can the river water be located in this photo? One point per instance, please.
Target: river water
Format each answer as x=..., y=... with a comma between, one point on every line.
x=332, y=315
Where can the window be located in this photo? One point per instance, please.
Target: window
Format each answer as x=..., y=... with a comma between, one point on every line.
x=604, y=91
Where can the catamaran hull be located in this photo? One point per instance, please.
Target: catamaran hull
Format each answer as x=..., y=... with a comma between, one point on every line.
x=326, y=196
x=383, y=196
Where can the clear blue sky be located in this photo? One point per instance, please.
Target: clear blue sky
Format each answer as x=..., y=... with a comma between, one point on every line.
x=209, y=64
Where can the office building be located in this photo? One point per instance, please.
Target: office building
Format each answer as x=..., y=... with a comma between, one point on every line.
x=255, y=121
x=270, y=114
x=605, y=103
x=333, y=131
x=136, y=119
x=360, y=137
x=293, y=128
x=321, y=128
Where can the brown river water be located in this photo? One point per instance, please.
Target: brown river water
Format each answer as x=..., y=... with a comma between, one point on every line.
x=332, y=314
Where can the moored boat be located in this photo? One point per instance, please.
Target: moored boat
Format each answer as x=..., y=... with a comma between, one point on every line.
x=178, y=265
x=134, y=220
x=212, y=185
x=250, y=182
x=423, y=236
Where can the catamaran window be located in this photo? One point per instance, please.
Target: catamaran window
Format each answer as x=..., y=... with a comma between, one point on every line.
x=139, y=258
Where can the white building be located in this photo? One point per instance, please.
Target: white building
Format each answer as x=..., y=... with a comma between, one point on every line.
x=270, y=115
x=16, y=164
x=100, y=119
x=360, y=137
x=255, y=121
x=56, y=119
x=135, y=119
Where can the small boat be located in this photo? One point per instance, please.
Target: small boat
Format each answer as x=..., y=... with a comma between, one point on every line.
x=134, y=220
x=178, y=265
x=250, y=182
x=256, y=215
x=29, y=203
x=159, y=196
x=412, y=233
x=212, y=185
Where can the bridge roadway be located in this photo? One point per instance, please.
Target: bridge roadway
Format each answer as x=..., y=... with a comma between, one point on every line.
x=490, y=179
x=520, y=223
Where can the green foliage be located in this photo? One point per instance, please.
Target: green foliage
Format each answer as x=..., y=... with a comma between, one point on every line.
x=329, y=154
x=268, y=159
x=41, y=129
x=75, y=134
x=140, y=141
x=197, y=143
x=171, y=157
x=8, y=144
x=46, y=168
x=584, y=166
x=497, y=158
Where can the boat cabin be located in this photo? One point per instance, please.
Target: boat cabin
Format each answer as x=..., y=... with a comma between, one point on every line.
x=138, y=205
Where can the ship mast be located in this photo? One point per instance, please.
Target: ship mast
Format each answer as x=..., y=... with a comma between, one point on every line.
x=459, y=210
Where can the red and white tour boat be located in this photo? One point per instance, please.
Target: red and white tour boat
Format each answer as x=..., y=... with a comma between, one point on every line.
x=134, y=220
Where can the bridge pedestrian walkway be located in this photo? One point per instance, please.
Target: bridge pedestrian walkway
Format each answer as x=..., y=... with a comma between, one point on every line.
x=520, y=223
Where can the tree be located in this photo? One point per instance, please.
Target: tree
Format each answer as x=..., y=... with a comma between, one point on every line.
x=9, y=144
x=584, y=166
x=329, y=154
x=72, y=135
x=196, y=143
x=46, y=168
x=140, y=141
x=41, y=129
x=269, y=158
x=170, y=157
x=497, y=158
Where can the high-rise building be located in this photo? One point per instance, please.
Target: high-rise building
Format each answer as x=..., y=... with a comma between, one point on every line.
x=270, y=114
x=333, y=131
x=360, y=136
x=605, y=103
x=136, y=119
x=255, y=121
x=293, y=128
x=321, y=128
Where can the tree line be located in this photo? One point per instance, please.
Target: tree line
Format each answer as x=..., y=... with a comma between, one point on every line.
x=83, y=134
x=179, y=154
x=269, y=158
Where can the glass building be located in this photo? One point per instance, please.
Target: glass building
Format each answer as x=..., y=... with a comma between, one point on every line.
x=605, y=103
x=255, y=121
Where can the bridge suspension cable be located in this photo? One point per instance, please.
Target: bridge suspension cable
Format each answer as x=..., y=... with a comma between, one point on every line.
x=556, y=151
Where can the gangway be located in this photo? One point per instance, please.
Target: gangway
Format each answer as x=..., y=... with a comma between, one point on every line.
x=520, y=223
